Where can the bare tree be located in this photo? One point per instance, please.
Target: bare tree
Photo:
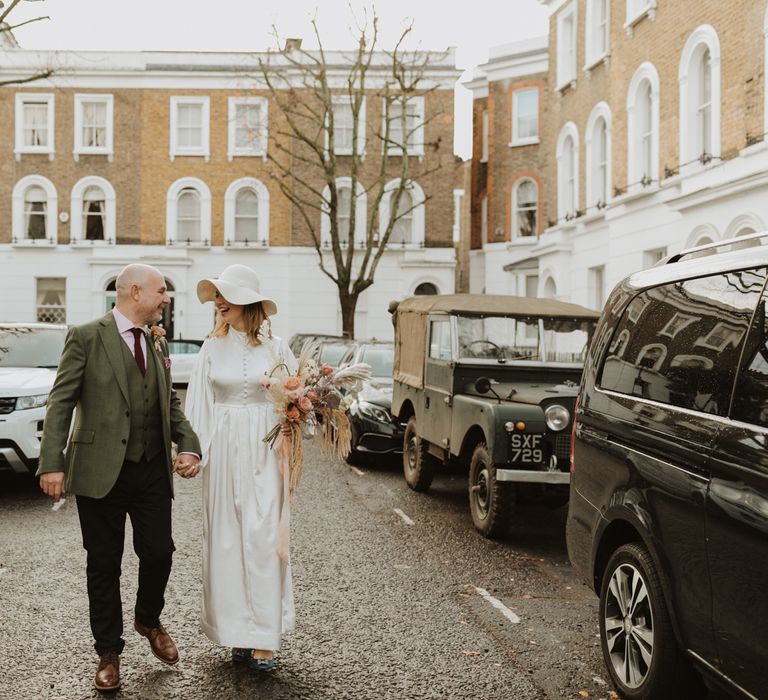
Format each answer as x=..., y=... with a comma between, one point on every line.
x=6, y=32
x=310, y=150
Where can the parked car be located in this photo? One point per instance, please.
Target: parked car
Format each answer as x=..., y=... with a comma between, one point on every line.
x=489, y=381
x=183, y=354
x=668, y=516
x=299, y=340
x=374, y=431
x=29, y=356
x=331, y=351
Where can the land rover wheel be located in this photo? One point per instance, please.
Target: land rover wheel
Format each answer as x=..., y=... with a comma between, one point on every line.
x=490, y=501
x=418, y=464
x=639, y=647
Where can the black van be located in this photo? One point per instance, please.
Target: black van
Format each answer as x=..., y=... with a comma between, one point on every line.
x=668, y=513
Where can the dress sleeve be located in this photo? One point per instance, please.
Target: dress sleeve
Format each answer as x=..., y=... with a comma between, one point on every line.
x=200, y=400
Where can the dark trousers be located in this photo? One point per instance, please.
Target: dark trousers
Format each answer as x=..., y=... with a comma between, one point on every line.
x=142, y=491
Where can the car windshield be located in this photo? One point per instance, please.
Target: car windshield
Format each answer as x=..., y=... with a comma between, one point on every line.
x=31, y=347
x=380, y=358
x=331, y=353
x=541, y=339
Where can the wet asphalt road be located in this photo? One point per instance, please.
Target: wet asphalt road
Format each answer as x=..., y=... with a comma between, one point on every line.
x=385, y=609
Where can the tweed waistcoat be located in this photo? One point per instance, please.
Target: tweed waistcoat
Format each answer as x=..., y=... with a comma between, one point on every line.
x=146, y=436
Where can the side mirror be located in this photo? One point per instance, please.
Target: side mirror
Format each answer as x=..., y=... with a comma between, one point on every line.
x=482, y=385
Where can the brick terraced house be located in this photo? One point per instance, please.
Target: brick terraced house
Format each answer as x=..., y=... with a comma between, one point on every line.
x=653, y=119
x=160, y=157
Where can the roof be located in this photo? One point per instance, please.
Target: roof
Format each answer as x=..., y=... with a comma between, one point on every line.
x=492, y=304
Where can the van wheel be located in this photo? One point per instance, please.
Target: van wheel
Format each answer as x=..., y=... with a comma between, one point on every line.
x=639, y=646
x=418, y=464
x=490, y=501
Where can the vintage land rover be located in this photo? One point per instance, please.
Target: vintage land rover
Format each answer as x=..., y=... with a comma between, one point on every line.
x=489, y=381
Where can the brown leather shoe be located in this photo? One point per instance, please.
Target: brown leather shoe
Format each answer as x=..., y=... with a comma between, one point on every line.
x=160, y=641
x=108, y=672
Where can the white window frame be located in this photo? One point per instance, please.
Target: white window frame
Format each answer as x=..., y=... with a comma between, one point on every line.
x=204, y=150
x=735, y=334
x=418, y=227
x=515, y=188
x=76, y=233
x=596, y=286
x=600, y=112
x=108, y=148
x=563, y=178
x=417, y=146
x=259, y=146
x=458, y=201
x=484, y=219
x=171, y=212
x=690, y=85
x=518, y=140
x=18, y=229
x=230, y=212
x=593, y=54
x=646, y=71
x=636, y=11
x=659, y=361
x=361, y=212
x=677, y=323
x=484, y=136
x=567, y=46
x=337, y=150
x=50, y=148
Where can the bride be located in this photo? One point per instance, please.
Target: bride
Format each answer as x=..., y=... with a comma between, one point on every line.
x=247, y=589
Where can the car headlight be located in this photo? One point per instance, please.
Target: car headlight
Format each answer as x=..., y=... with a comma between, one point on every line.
x=26, y=402
x=557, y=417
x=370, y=410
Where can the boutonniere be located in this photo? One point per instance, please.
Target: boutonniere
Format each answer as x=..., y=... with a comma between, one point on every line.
x=157, y=333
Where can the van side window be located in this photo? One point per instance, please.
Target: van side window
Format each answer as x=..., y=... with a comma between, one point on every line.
x=750, y=400
x=440, y=340
x=680, y=343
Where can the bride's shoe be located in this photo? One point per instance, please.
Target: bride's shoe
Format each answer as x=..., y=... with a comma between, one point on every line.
x=240, y=655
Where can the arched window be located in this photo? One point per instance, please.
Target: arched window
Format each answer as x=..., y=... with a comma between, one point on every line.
x=599, y=156
x=525, y=204
x=699, y=78
x=344, y=203
x=425, y=288
x=408, y=227
x=651, y=356
x=568, y=172
x=188, y=216
x=246, y=213
x=93, y=211
x=34, y=210
x=643, y=128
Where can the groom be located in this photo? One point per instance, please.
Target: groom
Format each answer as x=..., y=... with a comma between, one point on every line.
x=117, y=462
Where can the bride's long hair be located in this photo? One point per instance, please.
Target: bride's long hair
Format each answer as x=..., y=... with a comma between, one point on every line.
x=253, y=317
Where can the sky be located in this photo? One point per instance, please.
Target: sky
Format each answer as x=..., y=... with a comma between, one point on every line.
x=247, y=25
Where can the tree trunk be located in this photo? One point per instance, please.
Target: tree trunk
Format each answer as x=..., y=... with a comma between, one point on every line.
x=348, y=304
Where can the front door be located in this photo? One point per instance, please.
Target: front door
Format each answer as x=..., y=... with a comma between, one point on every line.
x=435, y=426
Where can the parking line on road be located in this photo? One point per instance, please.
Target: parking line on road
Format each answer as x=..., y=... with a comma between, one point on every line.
x=357, y=471
x=404, y=517
x=498, y=605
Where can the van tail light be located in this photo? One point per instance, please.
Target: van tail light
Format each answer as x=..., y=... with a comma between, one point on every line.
x=573, y=433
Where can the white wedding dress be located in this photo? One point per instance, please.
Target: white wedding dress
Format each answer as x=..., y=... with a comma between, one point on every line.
x=247, y=590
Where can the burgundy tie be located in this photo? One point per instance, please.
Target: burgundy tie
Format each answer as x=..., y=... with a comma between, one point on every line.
x=138, y=353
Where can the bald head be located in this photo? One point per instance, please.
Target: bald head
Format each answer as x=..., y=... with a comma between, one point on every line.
x=141, y=293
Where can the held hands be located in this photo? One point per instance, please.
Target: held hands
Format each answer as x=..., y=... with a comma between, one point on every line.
x=186, y=465
x=52, y=485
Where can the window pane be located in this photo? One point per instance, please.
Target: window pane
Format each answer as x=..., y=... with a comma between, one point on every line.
x=247, y=126
x=35, y=123
x=695, y=366
x=188, y=216
x=526, y=206
x=527, y=114
x=343, y=213
x=342, y=127
x=403, y=228
x=246, y=216
x=94, y=214
x=190, y=125
x=51, y=300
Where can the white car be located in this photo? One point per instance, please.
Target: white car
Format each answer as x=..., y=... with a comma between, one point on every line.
x=183, y=354
x=29, y=356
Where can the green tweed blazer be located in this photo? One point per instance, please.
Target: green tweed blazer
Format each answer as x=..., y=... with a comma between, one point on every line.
x=92, y=382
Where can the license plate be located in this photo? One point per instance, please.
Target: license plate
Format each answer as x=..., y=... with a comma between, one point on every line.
x=526, y=447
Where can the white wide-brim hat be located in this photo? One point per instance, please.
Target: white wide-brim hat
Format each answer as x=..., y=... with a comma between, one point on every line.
x=238, y=284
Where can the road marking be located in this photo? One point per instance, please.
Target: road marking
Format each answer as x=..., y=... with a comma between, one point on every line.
x=498, y=605
x=404, y=517
x=357, y=471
